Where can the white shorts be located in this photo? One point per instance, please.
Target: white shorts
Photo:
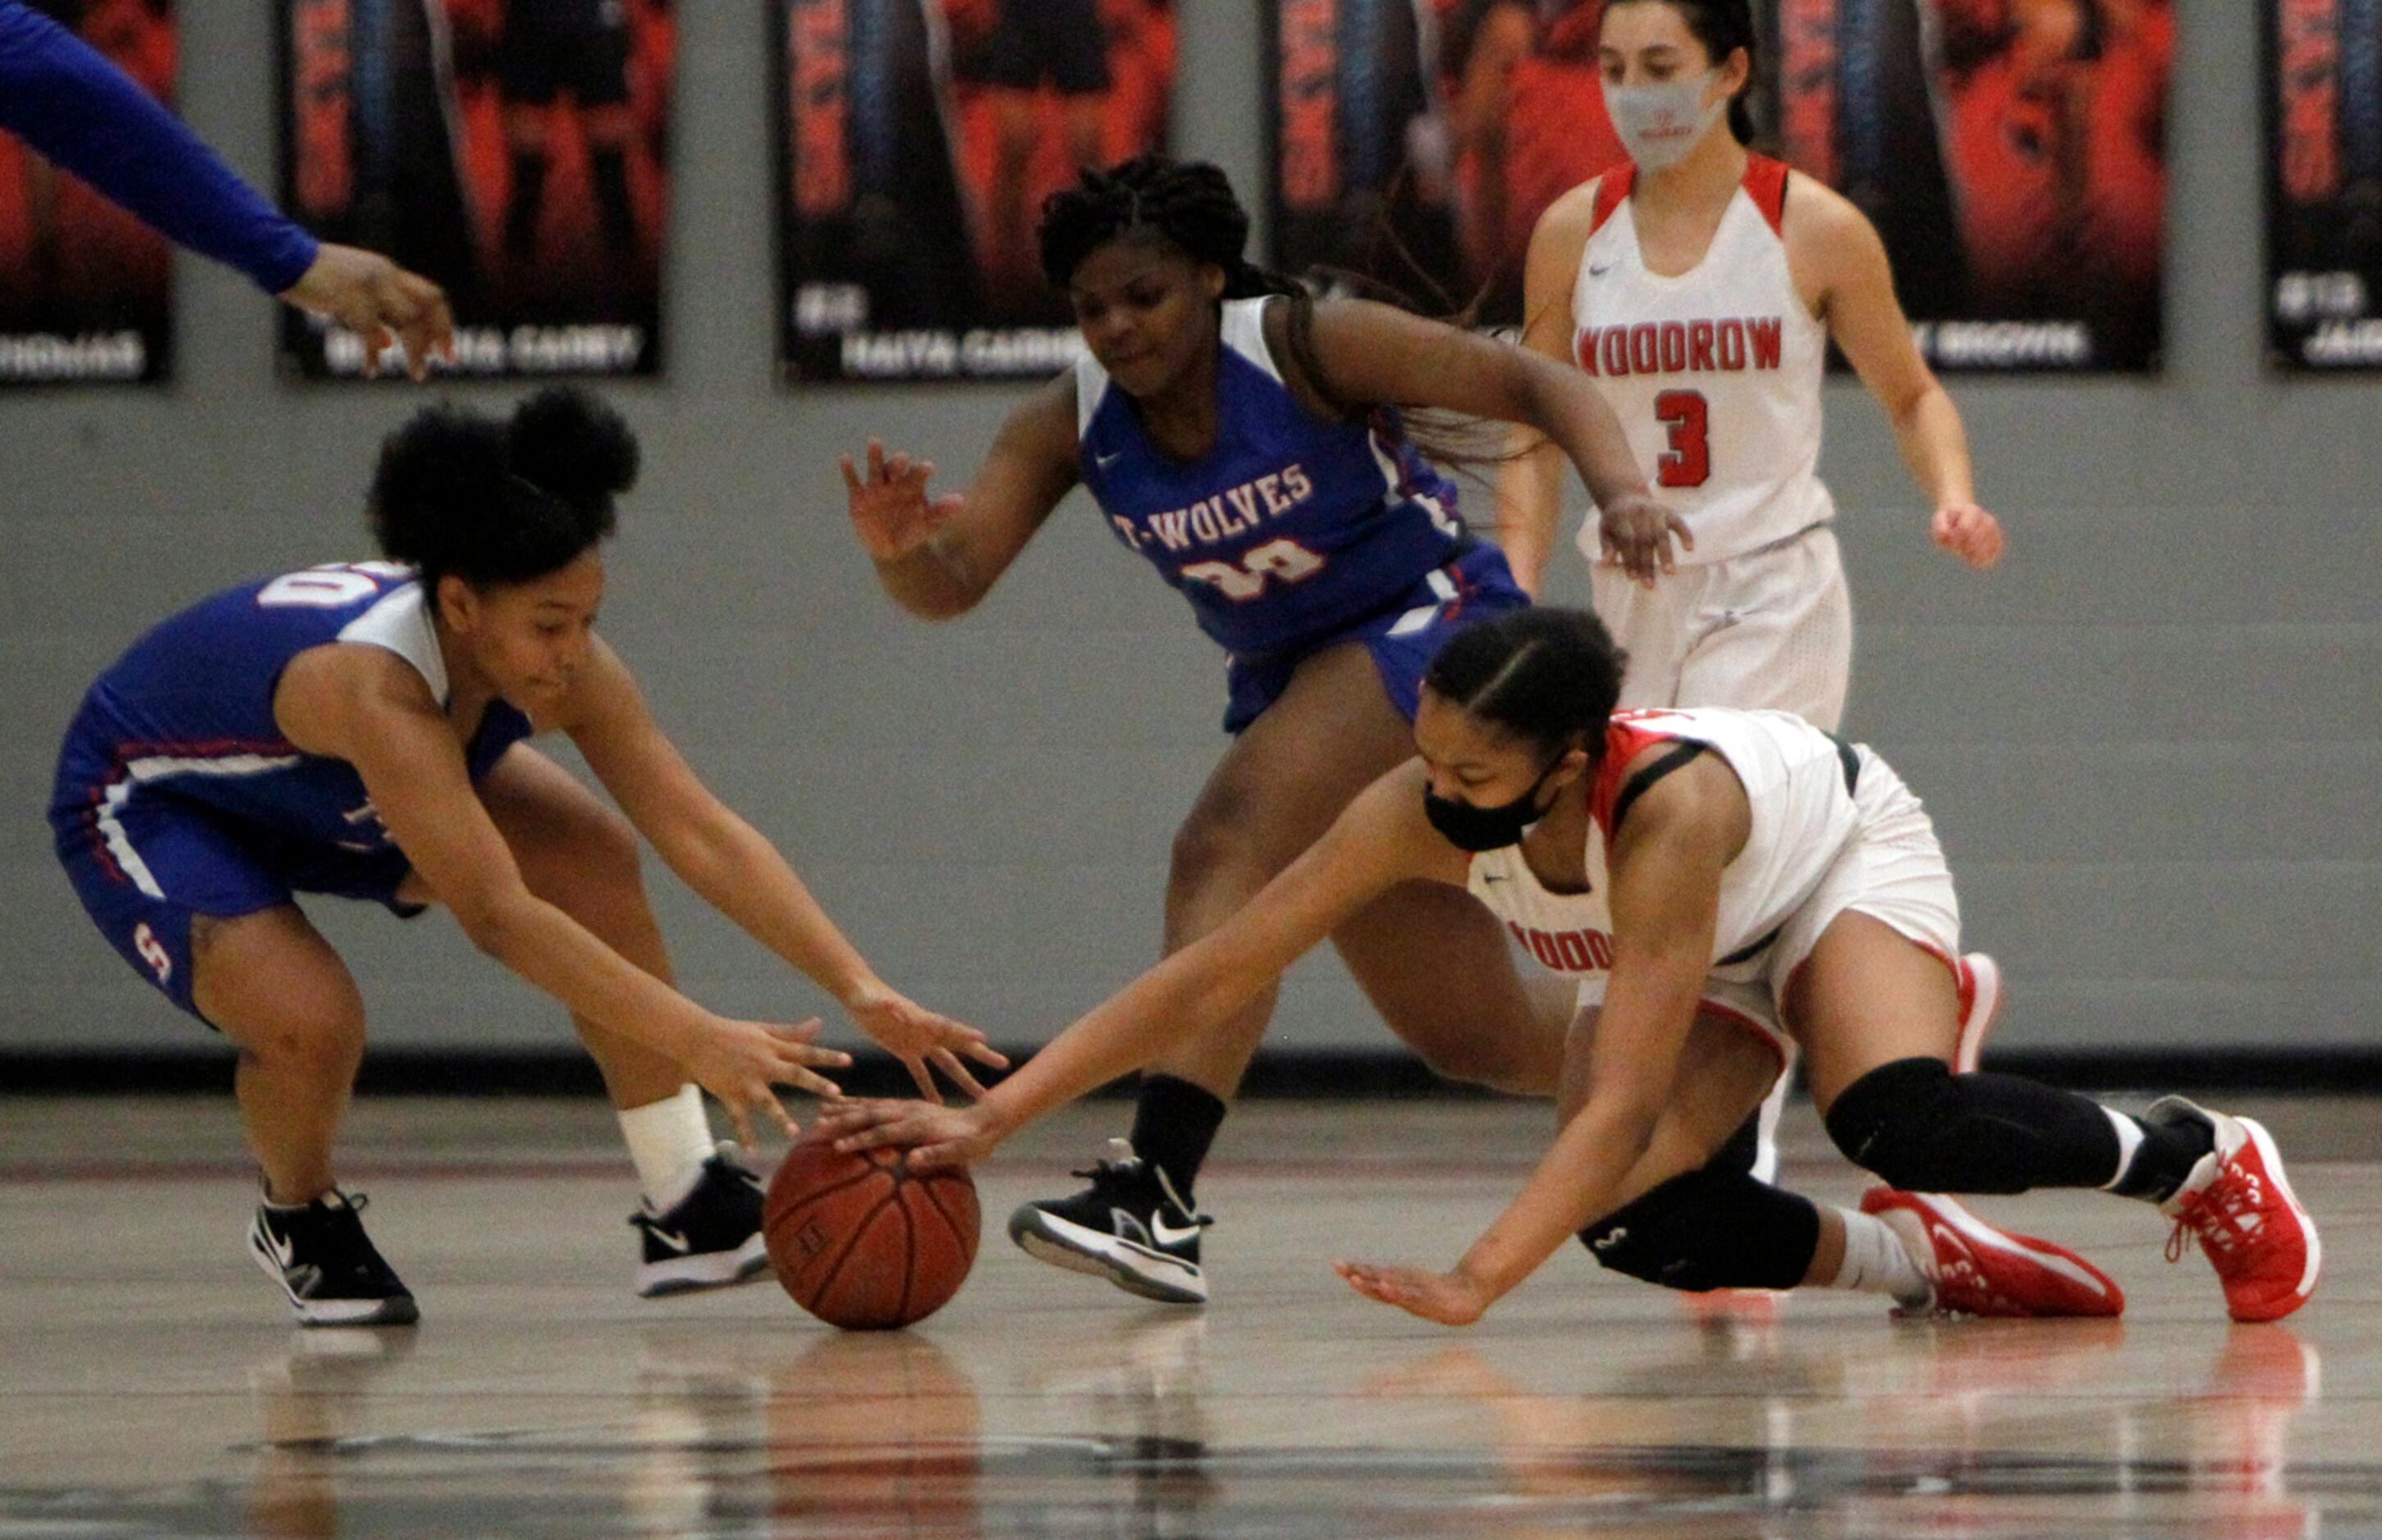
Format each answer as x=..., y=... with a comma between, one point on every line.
x=1772, y=628
x=1891, y=869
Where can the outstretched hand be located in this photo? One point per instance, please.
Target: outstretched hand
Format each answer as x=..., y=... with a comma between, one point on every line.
x=1450, y=1298
x=381, y=303
x=1969, y=533
x=919, y=1037
x=939, y=1138
x=889, y=506
x=742, y=1061
x=1636, y=532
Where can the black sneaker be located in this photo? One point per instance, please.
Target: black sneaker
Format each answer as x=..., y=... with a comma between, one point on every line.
x=1129, y=1227
x=710, y=1238
x=324, y=1261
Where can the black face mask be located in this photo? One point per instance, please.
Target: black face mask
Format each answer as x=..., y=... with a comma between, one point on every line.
x=1476, y=829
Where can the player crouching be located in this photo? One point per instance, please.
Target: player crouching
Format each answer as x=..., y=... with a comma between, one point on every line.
x=358, y=730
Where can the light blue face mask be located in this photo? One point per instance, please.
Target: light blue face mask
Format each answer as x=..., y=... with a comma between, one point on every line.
x=1660, y=123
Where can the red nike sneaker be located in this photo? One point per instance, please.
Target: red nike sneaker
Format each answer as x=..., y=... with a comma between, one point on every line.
x=2237, y=1202
x=1978, y=1270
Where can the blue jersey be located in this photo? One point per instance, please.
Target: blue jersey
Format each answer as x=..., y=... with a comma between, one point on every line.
x=185, y=720
x=1290, y=528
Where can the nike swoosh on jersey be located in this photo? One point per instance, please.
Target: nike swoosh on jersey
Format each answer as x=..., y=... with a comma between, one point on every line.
x=1595, y=272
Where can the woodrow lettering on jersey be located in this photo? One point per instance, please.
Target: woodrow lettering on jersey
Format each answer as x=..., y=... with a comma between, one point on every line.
x=1567, y=950
x=1681, y=347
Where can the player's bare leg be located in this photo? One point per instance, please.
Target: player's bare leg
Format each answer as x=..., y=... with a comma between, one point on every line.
x=701, y=1216
x=1329, y=735
x=271, y=983
x=273, y=986
x=1458, y=1000
x=1277, y=789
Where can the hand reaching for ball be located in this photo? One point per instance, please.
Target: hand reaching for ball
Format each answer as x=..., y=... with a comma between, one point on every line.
x=937, y=1139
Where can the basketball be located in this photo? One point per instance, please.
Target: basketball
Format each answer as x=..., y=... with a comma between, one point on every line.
x=863, y=1242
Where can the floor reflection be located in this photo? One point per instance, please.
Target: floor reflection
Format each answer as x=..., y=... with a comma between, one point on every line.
x=1728, y=1421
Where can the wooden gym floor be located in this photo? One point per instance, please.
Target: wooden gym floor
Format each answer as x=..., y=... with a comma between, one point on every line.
x=150, y=1382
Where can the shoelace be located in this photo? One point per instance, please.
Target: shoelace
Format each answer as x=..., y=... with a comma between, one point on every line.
x=2208, y=1214
x=1102, y=1171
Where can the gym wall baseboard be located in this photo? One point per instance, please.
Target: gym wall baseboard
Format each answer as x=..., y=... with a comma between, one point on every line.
x=1284, y=1073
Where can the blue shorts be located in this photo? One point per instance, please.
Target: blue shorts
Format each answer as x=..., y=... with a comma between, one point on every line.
x=177, y=860
x=1402, y=636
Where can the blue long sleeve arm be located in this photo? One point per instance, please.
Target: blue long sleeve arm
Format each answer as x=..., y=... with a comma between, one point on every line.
x=64, y=98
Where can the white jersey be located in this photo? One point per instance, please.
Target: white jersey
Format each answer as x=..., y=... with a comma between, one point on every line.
x=1796, y=782
x=1714, y=374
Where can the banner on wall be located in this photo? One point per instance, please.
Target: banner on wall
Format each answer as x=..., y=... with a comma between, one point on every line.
x=917, y=141
x=2324, y=184
x=86, y=290
x=516, y=151
x=2011, y=156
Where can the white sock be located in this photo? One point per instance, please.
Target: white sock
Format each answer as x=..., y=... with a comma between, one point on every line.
x=669, y=1141
x=2130, y=1139
x=1878, y=1262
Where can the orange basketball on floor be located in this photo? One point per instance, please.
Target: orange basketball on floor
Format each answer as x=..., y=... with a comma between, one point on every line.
x=863, y=1242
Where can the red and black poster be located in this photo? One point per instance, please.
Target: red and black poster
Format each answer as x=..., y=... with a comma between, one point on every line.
x=86, y=290
x=917, y=140
x=516, y=151
x=2011, y=153
x=2324, y=184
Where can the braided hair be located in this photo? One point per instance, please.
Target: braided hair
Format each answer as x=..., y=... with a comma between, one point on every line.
x=1189, y=204
x=1549, y=676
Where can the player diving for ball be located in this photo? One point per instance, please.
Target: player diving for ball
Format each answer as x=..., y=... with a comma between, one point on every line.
x=358, y=730
x=1759, y=887
x=1245, y=440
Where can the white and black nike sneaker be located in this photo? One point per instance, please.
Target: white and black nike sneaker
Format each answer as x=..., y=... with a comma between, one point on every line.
x=710, y=1237
x=326, y=1264
x=1129, y=1227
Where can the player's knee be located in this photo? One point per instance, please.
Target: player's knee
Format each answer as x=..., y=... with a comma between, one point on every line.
x=1906, y=1121
x=1467, y=1058
x=1709, y=1229
x=326, y=1044
x=1451, y=1056
x=1215, y=841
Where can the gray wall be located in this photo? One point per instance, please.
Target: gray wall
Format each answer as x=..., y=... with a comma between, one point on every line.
x=2149, y=739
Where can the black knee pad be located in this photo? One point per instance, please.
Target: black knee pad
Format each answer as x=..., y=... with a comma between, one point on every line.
x=1923, y=1128
x=1898, y=1121
x=1711, y=1228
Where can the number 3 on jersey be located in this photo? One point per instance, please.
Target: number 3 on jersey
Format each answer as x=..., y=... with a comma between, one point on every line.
x=1687, y=462
x=1286, y=560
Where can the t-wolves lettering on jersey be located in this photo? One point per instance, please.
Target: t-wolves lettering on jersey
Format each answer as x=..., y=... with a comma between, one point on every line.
x=1286, y=530
x=186, y=713
x=1229, y=517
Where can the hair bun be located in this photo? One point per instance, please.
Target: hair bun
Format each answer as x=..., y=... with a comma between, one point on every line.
x=571, y=443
